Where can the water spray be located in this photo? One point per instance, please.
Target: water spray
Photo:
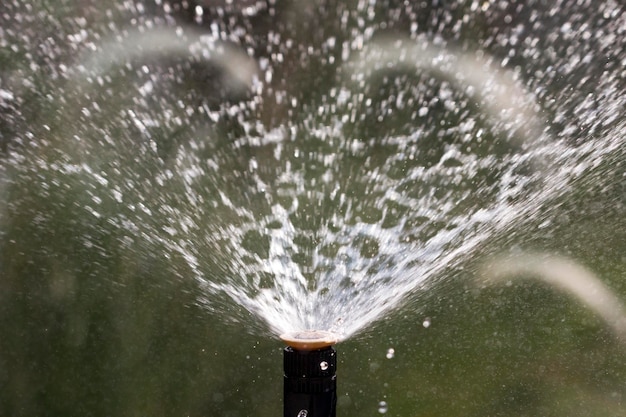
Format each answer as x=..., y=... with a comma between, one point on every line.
x=310, y=362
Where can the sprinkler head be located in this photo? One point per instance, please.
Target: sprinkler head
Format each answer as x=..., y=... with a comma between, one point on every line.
x=310, y=339
x=310, y=381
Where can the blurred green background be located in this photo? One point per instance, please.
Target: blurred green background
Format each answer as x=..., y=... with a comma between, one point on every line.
x=91, y=327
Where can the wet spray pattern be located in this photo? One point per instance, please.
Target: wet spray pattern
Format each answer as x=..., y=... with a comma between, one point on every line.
x=311, y=210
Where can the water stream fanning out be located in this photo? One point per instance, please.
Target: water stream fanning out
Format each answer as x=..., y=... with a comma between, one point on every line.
x=310, y=206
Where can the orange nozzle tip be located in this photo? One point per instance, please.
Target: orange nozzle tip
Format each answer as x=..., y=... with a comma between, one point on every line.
x=310, y=339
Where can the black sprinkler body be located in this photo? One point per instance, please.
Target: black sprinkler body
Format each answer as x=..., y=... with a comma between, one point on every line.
x=310, y=364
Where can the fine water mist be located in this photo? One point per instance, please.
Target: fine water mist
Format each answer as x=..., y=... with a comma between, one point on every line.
x=322, y=210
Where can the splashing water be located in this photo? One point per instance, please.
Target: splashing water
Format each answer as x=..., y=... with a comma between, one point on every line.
x=323, y=213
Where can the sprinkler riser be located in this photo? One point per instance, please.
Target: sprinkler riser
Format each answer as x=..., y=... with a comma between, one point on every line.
x=310, y=383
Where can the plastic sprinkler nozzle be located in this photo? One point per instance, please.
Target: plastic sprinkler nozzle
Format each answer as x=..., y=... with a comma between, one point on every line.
x=310, y=362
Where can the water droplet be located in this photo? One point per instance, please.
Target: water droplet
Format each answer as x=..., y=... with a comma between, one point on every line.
x=390, y=353
x=303, y=413
x=382, y=407
x=426, y=323
x=323, y=365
